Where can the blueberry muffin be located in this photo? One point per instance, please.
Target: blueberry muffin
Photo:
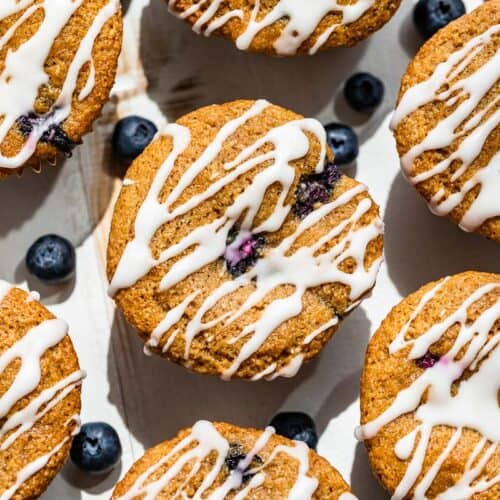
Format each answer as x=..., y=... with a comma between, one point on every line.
x=39, y=394
x=447, y=119
x=238, y=246
x=286, y=27
x=216, y=460
x=57, y=62
x=429, y=392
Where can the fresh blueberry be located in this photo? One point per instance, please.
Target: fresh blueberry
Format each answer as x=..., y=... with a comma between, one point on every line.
x=297, y=426
x=51, y=259
x=428, y=360
x=364, y=92
x=131, y=136
x=430, y=16
x=242, y=252
x=343, y=141
x=314, y=188
x=96, y=448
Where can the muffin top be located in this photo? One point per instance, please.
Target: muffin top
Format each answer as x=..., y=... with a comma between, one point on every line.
x=286, y=27
x=222, y=461
x=447, y=120
x=429, y=392
x=57, y=65
x=39, y=394
x=236, y=245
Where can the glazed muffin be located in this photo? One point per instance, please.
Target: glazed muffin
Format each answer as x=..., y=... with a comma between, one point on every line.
x=446, y=123
x=429, y=392
x=219, y=460
x=57, y=66
x=283, y=27
x=39, y=394
x=236, y=245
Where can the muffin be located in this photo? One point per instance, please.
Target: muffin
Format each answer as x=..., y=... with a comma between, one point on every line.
x=219, y=460
x=446, y=123
x=39, y=394
x=58, y=63
x=284, y=27
x=237, y=245
x=429, y=392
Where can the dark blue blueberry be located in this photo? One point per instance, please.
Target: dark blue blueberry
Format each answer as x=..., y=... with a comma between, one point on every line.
x=51, y=259
x=343, y=141
x=428, y=360
x=242, y=252
x=58, y=138
x=54, y=135
x=296, y=425
x=235, y=456
x=330, y=175
x=131, y=136
x=96, y=448
x=430, y=16
x=364, y=92
x=313, y=189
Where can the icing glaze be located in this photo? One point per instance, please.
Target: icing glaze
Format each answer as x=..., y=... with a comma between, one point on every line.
x=302, y=20
x=203, y=442
x=29, y=350
x=473, y=406
x=303, y=268
x=462, y=93
x=24, y=73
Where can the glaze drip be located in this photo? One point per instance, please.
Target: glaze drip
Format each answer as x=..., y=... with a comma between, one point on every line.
x=470, y=120
x=302, y=20
x=303, y=268
x=24, y=73
x=205, y=441
x=473, y=406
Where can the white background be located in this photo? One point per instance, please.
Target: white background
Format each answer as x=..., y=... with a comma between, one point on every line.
x=148, y=399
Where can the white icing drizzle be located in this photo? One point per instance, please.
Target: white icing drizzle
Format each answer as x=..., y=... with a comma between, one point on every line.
x=302, y=20
x=462, y=94
x=203, y=441
x=303, y=268
x=29, y=350
x=24, y=72
x=474, y=406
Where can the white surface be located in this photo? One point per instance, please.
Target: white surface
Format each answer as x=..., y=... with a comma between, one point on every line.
x=149, y=399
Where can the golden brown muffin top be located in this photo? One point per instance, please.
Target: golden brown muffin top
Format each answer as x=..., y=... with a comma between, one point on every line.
x=429, y=391
x=57, y=65
x=234, y=249
x=447, y=121
x=287, y=27
x=39, y=394
x=219, y=460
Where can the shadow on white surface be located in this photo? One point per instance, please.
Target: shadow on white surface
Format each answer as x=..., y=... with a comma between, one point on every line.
x=162, y=398
x=421, y=247
x=363, y=483
x=192, y=71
